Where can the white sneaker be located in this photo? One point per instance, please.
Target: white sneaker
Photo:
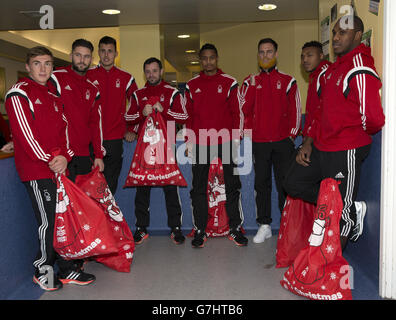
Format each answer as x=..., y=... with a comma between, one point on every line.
x=264, y=232
x=361, y=209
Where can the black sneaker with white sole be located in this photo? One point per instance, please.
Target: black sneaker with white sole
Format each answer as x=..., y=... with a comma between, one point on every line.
x=140, y=235
x=238, y=238
x=78, y=277
x=199, y=239
x=177, y=236
x=44, y=281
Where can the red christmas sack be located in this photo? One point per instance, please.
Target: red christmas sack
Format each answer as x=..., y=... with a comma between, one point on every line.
x=295, y=229
x=320, y=272
x=95, y=186
x=154, y=163
x=81, y=228
x=217, y=225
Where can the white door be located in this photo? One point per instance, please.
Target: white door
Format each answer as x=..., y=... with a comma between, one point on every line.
x=388, y=189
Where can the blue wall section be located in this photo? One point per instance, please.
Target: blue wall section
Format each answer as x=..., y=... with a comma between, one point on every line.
x=364, y=254
x=18, y=233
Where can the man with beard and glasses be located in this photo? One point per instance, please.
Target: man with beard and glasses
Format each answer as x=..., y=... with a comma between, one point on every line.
x=339, y=137
x=156, y=96
x=81, y=103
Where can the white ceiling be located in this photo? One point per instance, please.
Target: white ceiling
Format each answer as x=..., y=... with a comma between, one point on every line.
x=172, y=15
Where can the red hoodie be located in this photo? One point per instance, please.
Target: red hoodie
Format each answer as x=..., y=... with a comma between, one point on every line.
x=38, y=128
x=212, y=103
x=82, y=109
x=351, y=109
x=170, y=98
x=272, y=106
x=116, y=86
x=313, y=100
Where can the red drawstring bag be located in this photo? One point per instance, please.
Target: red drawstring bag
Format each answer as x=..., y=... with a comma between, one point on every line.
x=320, y=272
x=95, y=186
x=81, y=229
x=154, y=163
x=295, y=229
x=217, y=225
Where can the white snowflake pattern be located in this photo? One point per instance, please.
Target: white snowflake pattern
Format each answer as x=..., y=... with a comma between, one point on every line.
x=329, y=249
x=87, y=227
x=331, y=211
x=103, y=247
x=80, y=213
x=92, y=182
x=116, y=228
x=126, y=247
x=333, y=276
x=330, y=233
x=323, y=287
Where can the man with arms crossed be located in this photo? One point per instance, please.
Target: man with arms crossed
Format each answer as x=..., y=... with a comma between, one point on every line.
x=339, y=138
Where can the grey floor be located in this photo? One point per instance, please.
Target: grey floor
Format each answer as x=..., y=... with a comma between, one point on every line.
x=162, y=270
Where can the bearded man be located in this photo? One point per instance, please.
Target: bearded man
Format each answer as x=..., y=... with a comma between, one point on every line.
x=270, y=102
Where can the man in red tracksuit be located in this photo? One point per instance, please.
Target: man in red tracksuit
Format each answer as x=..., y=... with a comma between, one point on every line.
x=116, y=86
x=158, y=96
x=213, y=108
x=312, y=60
x=39, y=131
x=271, y=104
x=339, y=137
x=81, y=102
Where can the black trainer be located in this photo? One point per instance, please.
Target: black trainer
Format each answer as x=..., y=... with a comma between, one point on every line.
x=238, y=238
x=199, y=239
x=43, y=279
x=177, y=236
x=140, y=235
x=77, y=277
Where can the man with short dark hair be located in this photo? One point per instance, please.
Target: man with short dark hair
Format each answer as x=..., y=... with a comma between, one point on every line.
x=339, y=138
x=116, y=87
x=82, y=108
x=212, y=101
x=39, y=130
x=313, y=62
x=170, y=103
x=271, y=104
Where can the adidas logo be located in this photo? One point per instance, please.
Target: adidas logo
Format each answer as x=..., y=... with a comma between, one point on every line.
x=259, y=86
x=38, y=101
x=68, y=87
x=198, y=90
x=339, y=176
x=144, y=99
x=96, y=82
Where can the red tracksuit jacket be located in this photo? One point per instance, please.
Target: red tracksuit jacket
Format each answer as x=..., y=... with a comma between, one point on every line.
x=116, y=86
x=38, y=128
x=272, y=106
x=212, y=103
x=313, y=100
x=82, y=109
x=351, y=109
x=170, y=98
